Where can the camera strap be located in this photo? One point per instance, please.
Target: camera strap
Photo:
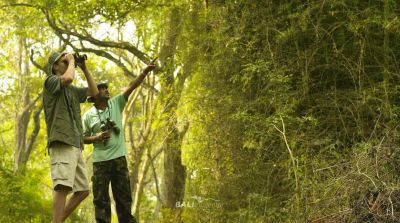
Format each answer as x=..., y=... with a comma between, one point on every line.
x=98, y=114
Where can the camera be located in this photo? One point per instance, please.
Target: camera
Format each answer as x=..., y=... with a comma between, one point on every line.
x=109, y=125
x=79, y=58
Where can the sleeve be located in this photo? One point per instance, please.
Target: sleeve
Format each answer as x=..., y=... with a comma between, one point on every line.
x=81, y=93
x=119, y=101
x=52, y=84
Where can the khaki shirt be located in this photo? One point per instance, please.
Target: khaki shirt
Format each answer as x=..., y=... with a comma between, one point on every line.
x=62, y=112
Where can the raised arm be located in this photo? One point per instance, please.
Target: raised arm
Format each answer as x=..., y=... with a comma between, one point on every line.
x=92, y=87
x=138, y=80
x=69, y=74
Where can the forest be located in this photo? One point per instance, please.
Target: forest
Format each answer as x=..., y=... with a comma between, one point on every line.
x=258, y=110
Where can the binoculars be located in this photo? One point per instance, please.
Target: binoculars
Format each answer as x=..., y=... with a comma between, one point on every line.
x=79, y=58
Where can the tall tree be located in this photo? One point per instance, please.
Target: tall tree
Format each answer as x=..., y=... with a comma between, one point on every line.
x=174, y=171
x=24, y=144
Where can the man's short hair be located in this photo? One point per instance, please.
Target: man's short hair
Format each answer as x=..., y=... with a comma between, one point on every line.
x=100, y=85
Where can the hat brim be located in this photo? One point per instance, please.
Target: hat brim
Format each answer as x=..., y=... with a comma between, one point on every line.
x=58, y=57
x=53, y=61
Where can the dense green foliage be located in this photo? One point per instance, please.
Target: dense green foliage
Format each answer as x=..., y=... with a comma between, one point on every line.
x=298, y=108
x=270, y=111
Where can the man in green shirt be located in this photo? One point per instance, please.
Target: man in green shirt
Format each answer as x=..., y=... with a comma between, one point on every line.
x=61, y=101
x=102, y=126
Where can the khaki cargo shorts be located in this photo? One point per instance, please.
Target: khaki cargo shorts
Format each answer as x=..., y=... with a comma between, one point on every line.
x=68, y=167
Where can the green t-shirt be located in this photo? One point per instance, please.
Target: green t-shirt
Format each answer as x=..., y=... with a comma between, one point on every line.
x=114, y=147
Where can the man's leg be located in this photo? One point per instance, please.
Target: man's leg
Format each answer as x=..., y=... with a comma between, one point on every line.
x=62, y=169
x=101, y=198
x=81, y=185
x=121, y=188
x=73, y=202
x=59, y=197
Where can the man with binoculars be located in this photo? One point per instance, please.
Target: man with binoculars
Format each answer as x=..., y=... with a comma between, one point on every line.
x=61, y=102
x=102, y=126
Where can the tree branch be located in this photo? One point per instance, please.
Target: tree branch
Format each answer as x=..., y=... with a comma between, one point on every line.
x=152, y=158
x=107, y=55
x=31, y=103
x=36, y=64
x=34, y=134
x=20, y=5
x=120, y=45
x=44, y=68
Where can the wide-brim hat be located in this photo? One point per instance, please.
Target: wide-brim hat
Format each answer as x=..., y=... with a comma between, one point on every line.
x=100, y=85
x=54, y=57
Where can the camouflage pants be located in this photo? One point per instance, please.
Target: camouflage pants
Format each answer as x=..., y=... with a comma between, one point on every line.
x=115, y=172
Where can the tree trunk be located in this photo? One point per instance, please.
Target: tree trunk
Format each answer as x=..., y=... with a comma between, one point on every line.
x=142, y=181
x=174, y=172
x=22, y=119
x=23, y=147
x=139, y=143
